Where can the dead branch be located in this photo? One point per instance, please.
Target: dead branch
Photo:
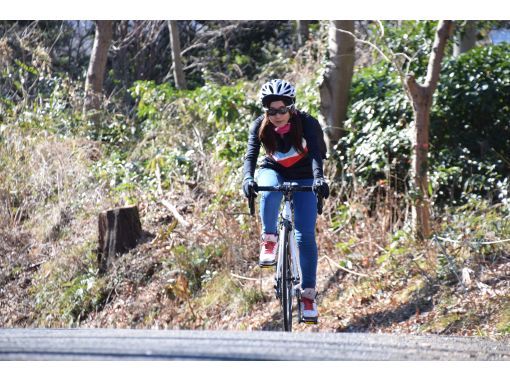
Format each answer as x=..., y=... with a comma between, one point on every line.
x=209, y=37
x=244, y=278
x=330, y=260
x=175, y=213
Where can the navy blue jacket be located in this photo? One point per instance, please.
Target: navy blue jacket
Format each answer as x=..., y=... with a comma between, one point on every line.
x=286, y=161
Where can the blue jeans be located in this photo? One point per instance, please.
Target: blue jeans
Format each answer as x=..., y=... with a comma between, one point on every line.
x=305, y=216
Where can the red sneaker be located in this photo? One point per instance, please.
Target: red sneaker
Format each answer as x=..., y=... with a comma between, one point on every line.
x=268, y=249
x=309, y=306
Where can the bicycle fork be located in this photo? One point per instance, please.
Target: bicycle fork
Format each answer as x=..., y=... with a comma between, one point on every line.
x=286, y=229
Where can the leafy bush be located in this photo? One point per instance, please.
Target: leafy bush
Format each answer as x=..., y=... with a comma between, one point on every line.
x=479, y=229
x=377, y=142
x=68, y=288
x=308, y=98
x=195, y=263
x=413, y=38
x=185, y=126
x=468, y=120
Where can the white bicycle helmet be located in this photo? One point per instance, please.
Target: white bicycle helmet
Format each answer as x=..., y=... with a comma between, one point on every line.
x=277, y=88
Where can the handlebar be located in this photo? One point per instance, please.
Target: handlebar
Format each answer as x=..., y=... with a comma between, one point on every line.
x=286, y=188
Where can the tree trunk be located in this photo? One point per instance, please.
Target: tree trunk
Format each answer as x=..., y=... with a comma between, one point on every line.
x=118, y=231
x=419, y=169
x=302, y=31
x=175, y=44
x=465, y=39
x=421, y=96
x=97, y=66
x=336, y=81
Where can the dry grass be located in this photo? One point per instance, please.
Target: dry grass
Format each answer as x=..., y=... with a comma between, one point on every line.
x=48, y=202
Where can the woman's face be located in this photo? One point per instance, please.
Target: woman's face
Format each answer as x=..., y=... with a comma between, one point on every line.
x=278, y=120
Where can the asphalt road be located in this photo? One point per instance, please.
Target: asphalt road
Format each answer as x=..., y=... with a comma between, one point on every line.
x=119, y=344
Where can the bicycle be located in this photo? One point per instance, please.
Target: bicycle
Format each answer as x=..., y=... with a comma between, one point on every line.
x=288, y=269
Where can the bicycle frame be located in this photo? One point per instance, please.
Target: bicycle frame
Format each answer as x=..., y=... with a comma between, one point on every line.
x=287, y=282
x=286, y=221
x=288, y=268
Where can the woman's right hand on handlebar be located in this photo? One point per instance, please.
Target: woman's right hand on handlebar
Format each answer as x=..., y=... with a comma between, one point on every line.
x=250, y=187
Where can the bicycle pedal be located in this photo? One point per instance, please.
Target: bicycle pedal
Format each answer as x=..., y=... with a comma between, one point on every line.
x=266, y=265
x=310, y=321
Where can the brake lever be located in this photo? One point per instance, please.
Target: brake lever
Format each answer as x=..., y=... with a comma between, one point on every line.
x=319, y=204
x=251, y=203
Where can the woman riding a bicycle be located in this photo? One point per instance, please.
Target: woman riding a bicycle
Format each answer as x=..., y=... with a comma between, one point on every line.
x=291, y=144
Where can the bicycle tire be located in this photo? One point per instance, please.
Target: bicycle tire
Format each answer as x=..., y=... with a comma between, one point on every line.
x=286, y=283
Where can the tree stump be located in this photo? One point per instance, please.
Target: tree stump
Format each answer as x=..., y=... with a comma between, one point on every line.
x=119, y=231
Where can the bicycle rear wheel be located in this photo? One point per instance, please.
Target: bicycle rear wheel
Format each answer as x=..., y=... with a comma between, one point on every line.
x=286, y=283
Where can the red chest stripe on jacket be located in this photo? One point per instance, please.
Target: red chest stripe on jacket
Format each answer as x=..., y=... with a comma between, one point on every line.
x=291, y=157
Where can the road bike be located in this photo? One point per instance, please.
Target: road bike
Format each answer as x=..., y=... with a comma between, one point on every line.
x=288, y=269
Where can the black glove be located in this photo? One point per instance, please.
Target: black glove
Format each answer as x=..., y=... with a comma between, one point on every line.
x=249, y=187
x=321, y=187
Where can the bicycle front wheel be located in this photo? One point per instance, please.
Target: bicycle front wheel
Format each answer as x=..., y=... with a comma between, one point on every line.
x=286, y=282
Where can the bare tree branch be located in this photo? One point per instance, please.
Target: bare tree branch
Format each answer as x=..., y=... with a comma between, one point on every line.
x=444, y=31
x=393, y=58
x=132, y=35
x=211, y=36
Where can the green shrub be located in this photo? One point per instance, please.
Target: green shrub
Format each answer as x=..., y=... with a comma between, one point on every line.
x=195, y=263
x=377, y=142
x=469, y=122
x=468, y=152
x=68, y=288
x=186, y=126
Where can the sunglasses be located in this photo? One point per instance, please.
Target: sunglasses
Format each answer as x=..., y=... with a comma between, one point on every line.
x=281, y=110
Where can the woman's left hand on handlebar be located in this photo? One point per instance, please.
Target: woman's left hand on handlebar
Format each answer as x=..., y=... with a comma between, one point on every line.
x=320, y=187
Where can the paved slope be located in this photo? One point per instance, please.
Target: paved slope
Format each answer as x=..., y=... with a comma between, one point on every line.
x=117, y=344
